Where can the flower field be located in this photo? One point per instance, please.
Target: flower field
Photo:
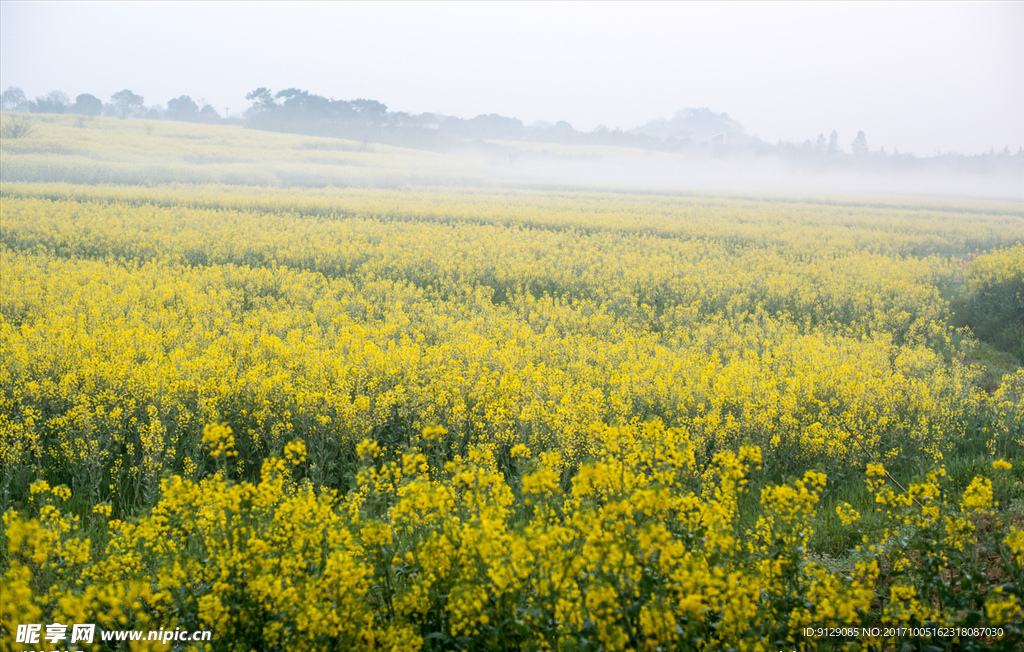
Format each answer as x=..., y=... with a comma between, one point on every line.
x=505, y=418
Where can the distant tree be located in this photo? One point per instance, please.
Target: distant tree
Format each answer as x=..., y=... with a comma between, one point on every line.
x=294, y=100
x=493, y=126
x=342, y=109
x=291, y=94
x=302, y=107
x=12, y=98
x=821, y=143
x=833, y=143
x=860, y=144
x=262, y=100
x=560, y=132
x=182, y=108
x=126, y=103
x=59, y=98
x=208, y=113
x=369, y=109
x=86, y=104
x=316, y=105
x=53, y=102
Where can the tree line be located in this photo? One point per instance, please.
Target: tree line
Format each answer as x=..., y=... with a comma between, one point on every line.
x=122, y=104
x=697, y=131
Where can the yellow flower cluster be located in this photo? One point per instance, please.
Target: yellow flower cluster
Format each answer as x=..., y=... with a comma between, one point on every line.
x=978, y=497
x=379, y=419
x=847, y=514
x=1001, y=267
x=932, y=539
x=623, y=556
x=131, y=317
x=1015, y=541
x=219, y=440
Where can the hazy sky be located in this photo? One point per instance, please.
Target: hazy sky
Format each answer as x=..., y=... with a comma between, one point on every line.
x=918, y=76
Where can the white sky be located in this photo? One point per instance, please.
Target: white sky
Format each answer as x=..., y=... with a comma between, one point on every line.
x=918, y=76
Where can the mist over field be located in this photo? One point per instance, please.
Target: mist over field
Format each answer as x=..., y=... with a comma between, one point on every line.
x=761, y=175
x=922, y=98
x=98, y=149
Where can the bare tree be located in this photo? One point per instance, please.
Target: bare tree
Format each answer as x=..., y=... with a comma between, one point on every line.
x=12, y=98
x=16, y=126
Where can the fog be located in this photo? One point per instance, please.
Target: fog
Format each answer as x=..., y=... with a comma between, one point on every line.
x=763, y=176
x=920, y=79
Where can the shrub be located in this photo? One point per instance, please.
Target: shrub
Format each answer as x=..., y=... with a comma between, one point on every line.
x=16, y=126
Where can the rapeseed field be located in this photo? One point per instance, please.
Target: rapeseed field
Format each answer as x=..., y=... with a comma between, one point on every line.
x=428, y=417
